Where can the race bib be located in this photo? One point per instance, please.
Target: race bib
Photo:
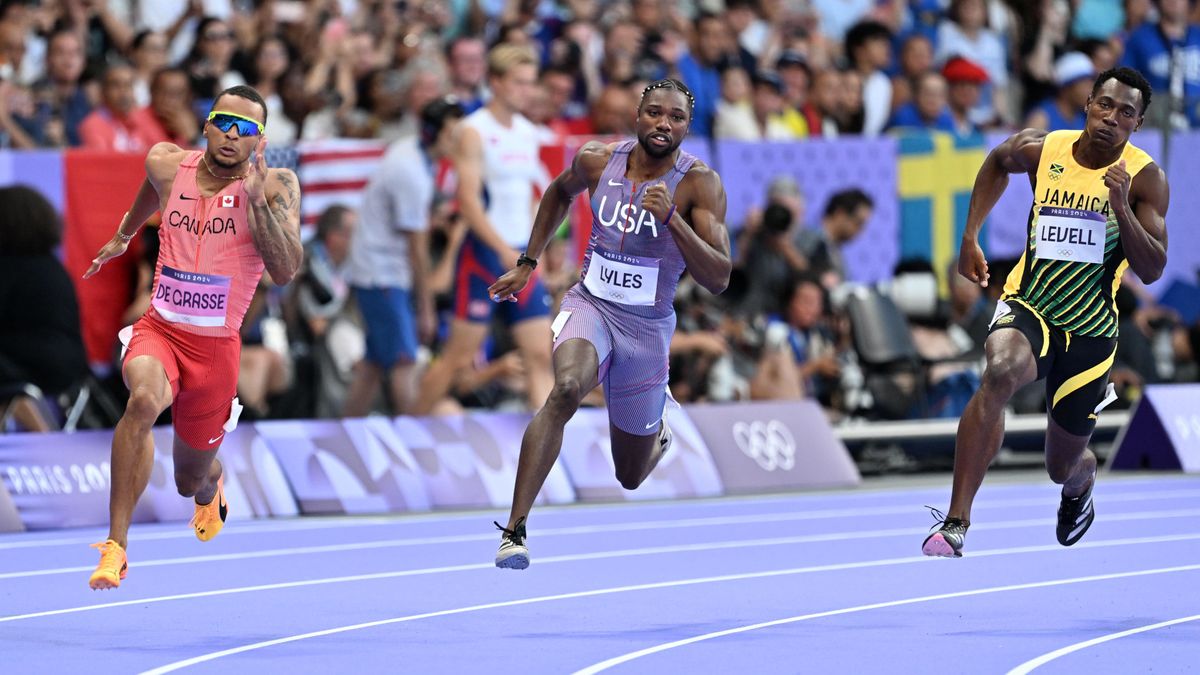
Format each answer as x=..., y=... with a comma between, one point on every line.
x=192, y=298
x=623, y=279
x=1071, y=234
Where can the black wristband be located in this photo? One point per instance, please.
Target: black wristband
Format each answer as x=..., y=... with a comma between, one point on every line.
x=527, y=261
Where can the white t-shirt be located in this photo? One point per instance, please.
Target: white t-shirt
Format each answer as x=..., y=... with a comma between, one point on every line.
x=512, y=169
x=395, y=203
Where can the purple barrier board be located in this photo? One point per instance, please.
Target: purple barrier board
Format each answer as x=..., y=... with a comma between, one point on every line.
x=773, y=446
x=381, y=465
x=62, y=480
x=687, y=470
x=821, y=168
x=1163, y=432
x=10, y=518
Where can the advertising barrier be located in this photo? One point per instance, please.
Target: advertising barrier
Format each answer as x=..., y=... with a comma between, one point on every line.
x=1164, y=431
x=687, y=470
x=774, y=446
x=381, y=465
x=63, y=480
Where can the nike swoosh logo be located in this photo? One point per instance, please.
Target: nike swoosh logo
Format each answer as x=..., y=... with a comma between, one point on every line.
x=183, y=196
x=652, y=424
x=223, y=507
x=214, y=440
x=614, y=183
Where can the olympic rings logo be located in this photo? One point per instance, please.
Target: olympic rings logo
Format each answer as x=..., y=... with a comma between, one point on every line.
x=1066, y=252
x=770, y=444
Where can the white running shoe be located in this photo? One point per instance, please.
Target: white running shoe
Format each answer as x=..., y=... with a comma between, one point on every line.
x=513, y=554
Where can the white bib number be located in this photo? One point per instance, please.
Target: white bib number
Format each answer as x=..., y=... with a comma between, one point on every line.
x=1071, y=234
x=623, y=279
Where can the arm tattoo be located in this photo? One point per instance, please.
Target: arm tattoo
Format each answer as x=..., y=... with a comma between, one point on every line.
x=276, y=240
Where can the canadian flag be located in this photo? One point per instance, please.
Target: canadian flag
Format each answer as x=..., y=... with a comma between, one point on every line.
x=230, y=201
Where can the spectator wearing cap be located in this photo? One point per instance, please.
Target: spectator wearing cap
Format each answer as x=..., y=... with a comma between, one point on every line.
x=1073, y=73
x=966, y=80
x=965, y=33
x=389, y=261
x=113, y=126
x=928, y=109
x=1168, y=54
x=869, y=48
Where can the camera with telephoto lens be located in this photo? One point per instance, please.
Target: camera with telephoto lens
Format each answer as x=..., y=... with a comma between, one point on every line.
x=776, y=219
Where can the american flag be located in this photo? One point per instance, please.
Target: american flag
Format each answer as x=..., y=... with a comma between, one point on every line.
x=334, y=172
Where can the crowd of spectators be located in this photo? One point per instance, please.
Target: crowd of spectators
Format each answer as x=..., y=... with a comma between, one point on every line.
x=124, y=74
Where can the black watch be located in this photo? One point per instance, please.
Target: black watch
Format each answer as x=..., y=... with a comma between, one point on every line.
x=527, y=261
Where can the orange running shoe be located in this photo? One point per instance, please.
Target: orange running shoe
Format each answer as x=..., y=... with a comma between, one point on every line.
x=210, y=517
x=113, y=567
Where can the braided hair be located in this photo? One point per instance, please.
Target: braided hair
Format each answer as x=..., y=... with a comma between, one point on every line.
x=670, y=84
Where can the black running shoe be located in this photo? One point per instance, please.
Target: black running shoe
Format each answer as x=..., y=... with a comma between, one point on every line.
x=1075, y=516
x=947, y=542
x=513, y=553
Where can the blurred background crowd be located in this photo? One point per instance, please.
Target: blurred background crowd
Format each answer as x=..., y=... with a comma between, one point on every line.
x=122, y=75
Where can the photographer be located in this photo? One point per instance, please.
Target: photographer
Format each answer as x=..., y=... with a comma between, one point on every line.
x=769, y=256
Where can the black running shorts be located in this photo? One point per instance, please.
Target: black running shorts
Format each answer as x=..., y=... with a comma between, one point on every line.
x=1075, y=368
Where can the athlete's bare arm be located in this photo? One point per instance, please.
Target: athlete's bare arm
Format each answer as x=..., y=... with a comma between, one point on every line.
x=274, y=215
x=162, y=163
x=1143, y=225
x=698, y=225
x=467, y=157
x=584, y=172
x=1020, y=153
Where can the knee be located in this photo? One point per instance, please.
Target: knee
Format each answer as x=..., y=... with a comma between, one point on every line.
x=144, y=405
x=1003, y=375
x=566, y=395
x=188, y=484
x=1060, y=472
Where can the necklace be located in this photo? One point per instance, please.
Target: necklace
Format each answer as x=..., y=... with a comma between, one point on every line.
x=210, y=171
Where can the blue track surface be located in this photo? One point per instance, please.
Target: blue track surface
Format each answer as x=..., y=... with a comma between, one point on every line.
x=829, y=582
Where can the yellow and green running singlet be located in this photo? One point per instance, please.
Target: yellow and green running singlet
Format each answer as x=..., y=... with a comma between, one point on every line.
x=1073, y=261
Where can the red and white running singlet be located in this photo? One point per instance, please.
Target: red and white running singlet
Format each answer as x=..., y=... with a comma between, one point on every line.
x=208, y=265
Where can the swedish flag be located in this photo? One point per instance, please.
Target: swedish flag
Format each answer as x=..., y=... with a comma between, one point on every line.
x=937, y=172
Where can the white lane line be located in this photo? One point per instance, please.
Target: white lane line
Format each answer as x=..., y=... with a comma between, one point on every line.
x=305, y=523
x=626, y=658
x=626, y=553
x=203, y=658
x=599, y=529
x=1042, y=660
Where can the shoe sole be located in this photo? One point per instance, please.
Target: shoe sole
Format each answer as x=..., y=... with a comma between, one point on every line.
x=937, y=546
x=516, y=561
x=103, y=584
x=209, y=537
